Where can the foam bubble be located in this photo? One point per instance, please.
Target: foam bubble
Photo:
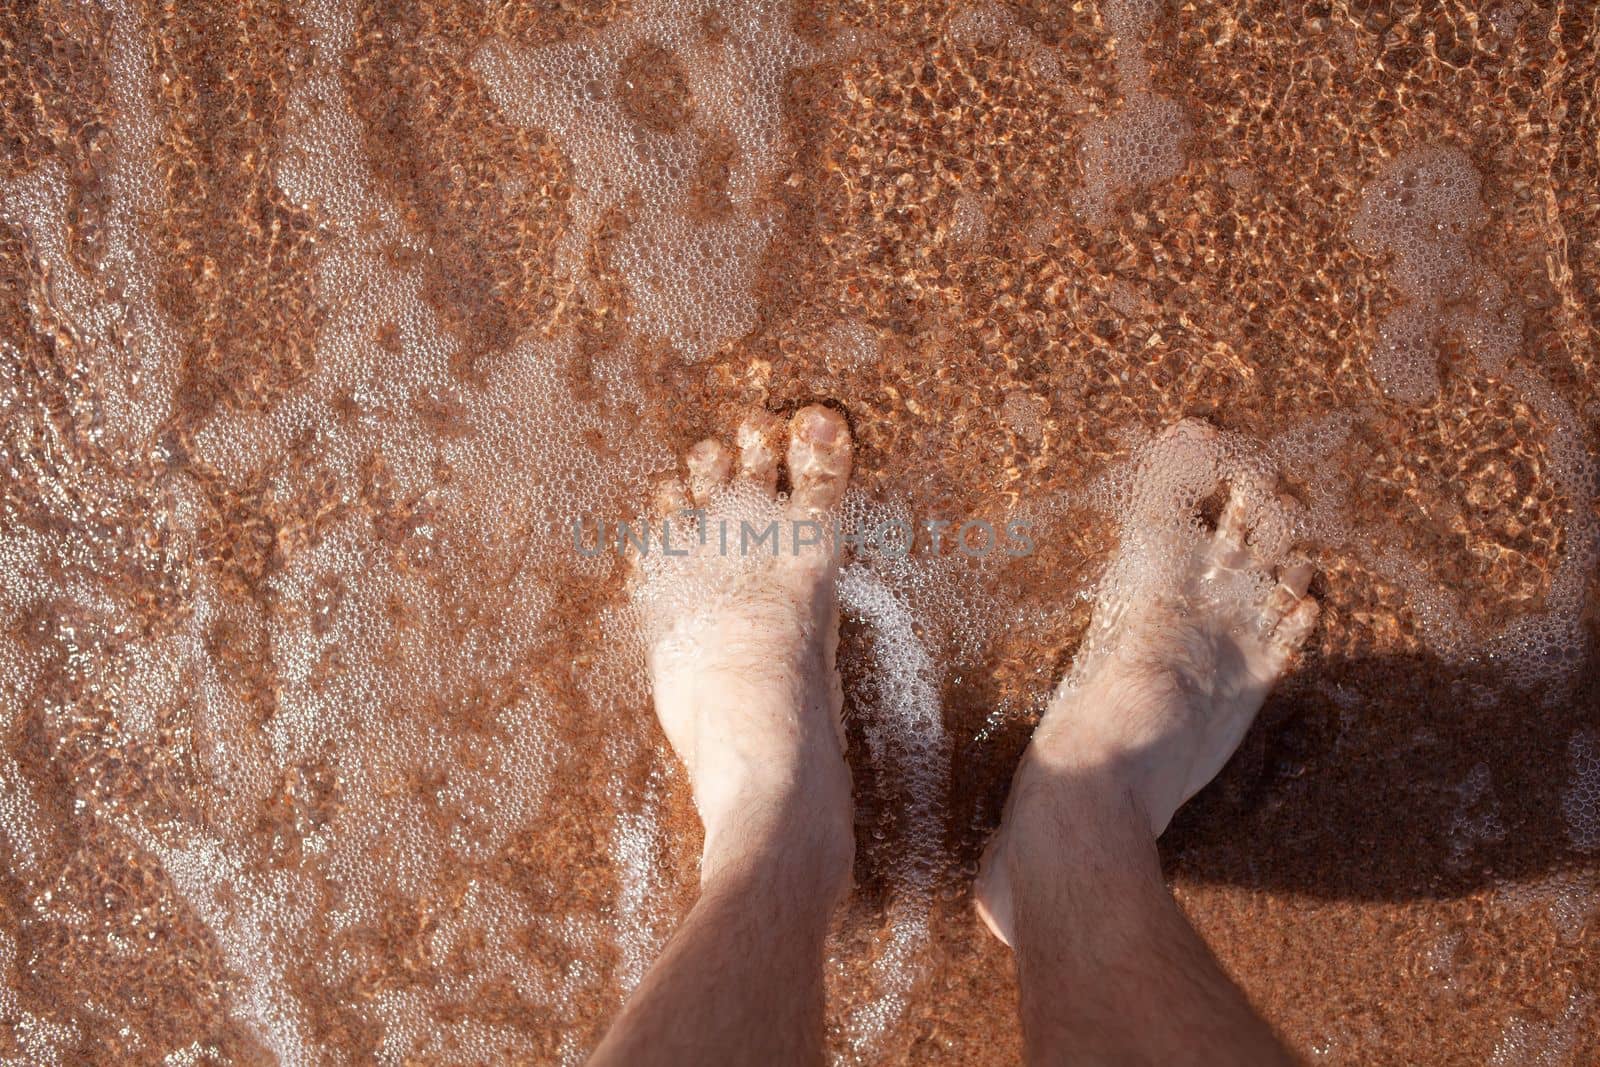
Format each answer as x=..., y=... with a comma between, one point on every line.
x=1548, y=645
x=110, y=306
x=1422, y=210
x=1142, y=143
x=1530, y=1042
x=981, y=24
x=1488, y=322
x=1154, y=498
x=367, y=786
x=1571, y=900
x=1137, y=146
x=993, y=26
x=688, y=277
x=1543, y=647
x=1024, y=413
x=905, y=730
x=1476, y=819
x=38, y=1041
x=637, y=841
x=850, y=347
x=374, y=795
x=1403, y=359
x=732, y=528
x=969, y=222
x=1580, y=802
x=1130, y=22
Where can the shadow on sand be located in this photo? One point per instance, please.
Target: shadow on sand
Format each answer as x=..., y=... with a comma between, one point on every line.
x=1390, y=779
x=1378, y=779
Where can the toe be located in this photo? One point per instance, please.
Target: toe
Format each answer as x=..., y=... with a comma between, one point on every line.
x=1295, y=627
x=758, y=460
x=1256, y=522
x=1296, y=577
x=1279, y=603
x=670, y=498
x=1274, y=529
x=819, y=459
x=709, y=464
x=1191, y=431
x=1293, y=580
x=992, y=896
x=1234, y=525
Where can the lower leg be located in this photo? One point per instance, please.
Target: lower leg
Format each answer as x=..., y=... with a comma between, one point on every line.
x=741, y=980
x=1110, y=970
x=741, y=660
x=1187, y=639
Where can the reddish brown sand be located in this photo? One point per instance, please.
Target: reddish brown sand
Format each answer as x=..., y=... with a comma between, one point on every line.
x=1399, y=866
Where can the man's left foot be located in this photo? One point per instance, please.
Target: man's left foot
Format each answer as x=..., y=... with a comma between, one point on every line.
x=1178, y=666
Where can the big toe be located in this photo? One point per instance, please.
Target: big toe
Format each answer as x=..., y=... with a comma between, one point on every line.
x=818, y=460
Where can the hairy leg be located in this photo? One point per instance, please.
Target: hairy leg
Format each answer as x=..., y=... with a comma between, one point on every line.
x=741, y=658
x=1171, y=677
x=1109, y=969
x=741, y=980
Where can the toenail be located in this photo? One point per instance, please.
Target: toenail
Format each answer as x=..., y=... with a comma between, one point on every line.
x=1297, y=578
x=819, y=429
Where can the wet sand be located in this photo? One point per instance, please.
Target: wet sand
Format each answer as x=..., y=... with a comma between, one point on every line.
x=321, y=744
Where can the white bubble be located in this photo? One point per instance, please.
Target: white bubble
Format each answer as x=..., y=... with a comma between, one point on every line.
x=1423, y=211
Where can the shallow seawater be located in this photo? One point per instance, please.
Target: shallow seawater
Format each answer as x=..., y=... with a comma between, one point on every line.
x=321, y=743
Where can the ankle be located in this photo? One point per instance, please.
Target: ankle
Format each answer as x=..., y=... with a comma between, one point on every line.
x=802, y=834
x=1147, y=772
x=1058, y=812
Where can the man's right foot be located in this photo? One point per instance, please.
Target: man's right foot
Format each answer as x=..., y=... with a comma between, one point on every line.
x=1189, y=635
x=742, y=635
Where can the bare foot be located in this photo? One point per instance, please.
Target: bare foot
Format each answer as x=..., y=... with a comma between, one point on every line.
x=1189, y=635
x=742, y=625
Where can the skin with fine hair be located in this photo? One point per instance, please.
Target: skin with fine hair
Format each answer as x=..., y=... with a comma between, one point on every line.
x=745, y=686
